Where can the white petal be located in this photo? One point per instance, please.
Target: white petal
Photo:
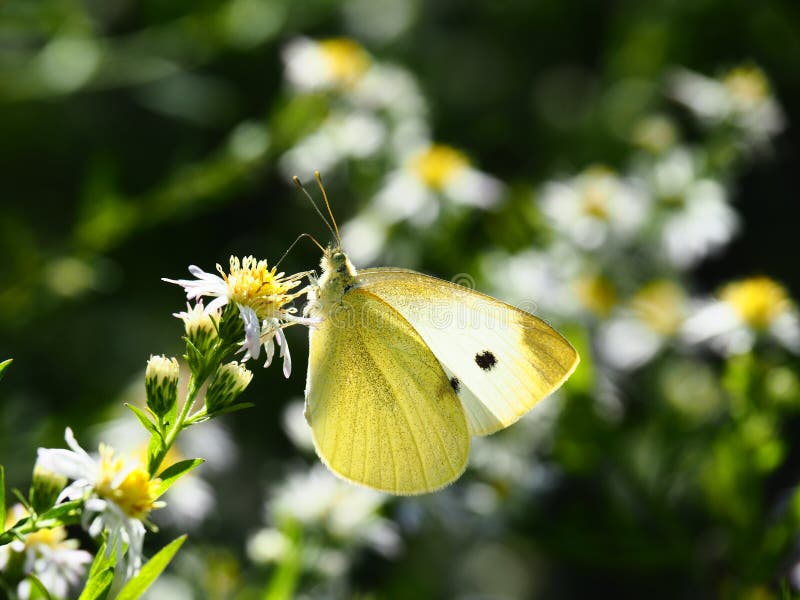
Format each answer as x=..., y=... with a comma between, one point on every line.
x=287, y=357
x=66, y=462
x=252, y=330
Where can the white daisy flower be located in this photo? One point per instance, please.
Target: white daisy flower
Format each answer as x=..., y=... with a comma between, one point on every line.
x=640, y=329
x=118, y=492
x=55, y=560
x=743, y=311
x=432, y=176
x=431, y=172
x=741, y=97
x=697, y=219
x=595, y=207
x=261, y=295
x=326, y=64
x=191, y=499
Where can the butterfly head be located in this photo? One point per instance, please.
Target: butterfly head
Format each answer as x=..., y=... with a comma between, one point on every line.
x=336, y=264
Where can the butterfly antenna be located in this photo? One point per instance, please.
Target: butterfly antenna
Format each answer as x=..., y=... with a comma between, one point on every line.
x=299, y=185
x=318, y=177
x=299, y=237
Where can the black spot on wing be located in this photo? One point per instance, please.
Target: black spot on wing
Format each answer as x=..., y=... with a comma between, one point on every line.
x=485, y=360
x=348, y=287
x=455, y=384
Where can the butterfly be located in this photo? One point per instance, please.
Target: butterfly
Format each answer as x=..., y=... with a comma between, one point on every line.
x=404, y=368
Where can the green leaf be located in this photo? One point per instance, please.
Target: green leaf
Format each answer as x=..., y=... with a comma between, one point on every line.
x=101, y=575
x=144, y=419
x=283, y=582
x=35, y=583
x=150, y=571
x=174, y=472
x=63, y=510
x=4, y=365
x=2, y=498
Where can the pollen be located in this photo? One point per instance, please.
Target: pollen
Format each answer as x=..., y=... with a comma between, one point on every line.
x=757, y=300
x=346, y=60
x=132, y=490
x=252, y=283
x=436, y=166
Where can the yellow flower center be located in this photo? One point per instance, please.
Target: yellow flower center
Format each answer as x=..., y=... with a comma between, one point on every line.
x=52, y=537
x=757, y=300
x=346, y=60
x=135, y=494
x=252, y=283
x=597, y=294
x=747, y=85
x=47, y=537
x=660, y=305
x=437, y=165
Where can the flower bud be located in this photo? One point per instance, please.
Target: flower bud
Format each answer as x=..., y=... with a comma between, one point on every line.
x=231, y=326
x=161, y=384
x=229, y=381
x=45, y=488
x=200, y=328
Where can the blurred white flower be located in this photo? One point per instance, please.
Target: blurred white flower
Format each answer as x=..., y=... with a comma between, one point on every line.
x=331, y=63
x=118, y=495
x=296, y=426
x=431, y=177
x=538, y=281
x=743, y=311
x=741, y=96
x=595, y=207
x=430, y=172
x=343, y=135
x=508, y=459
x=696, y=218
x=55, y=560
x=346, y=515
x=640, y=329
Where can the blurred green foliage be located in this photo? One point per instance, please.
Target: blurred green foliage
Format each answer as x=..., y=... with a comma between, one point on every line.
x=141, y=137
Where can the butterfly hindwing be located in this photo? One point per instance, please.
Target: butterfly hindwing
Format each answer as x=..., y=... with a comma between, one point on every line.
x=500, y=360
x=382, y=411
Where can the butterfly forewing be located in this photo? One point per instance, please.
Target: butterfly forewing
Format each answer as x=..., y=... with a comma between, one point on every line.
x=382, y=411
x=499, y=360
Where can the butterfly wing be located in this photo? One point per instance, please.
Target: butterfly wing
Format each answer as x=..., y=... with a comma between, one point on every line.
x=382, y=411
x=501, y=360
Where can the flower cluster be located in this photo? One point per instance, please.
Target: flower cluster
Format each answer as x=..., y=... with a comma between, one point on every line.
x=262, y=296
x=377, y=115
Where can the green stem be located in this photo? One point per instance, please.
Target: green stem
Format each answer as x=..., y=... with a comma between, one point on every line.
x=172, y=434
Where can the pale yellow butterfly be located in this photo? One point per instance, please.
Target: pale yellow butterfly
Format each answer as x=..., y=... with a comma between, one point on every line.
x=404, y=368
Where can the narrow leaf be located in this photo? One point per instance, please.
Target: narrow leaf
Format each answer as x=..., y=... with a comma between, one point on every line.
x=144, y=419
x=4, y=365
x=2, y=498
x=150, y=571
x=39, y=586
x=174, y=472
x=63, y=510
x=101, y=575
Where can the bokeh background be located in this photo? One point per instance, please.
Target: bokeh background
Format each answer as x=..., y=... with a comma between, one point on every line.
x=626, y=170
